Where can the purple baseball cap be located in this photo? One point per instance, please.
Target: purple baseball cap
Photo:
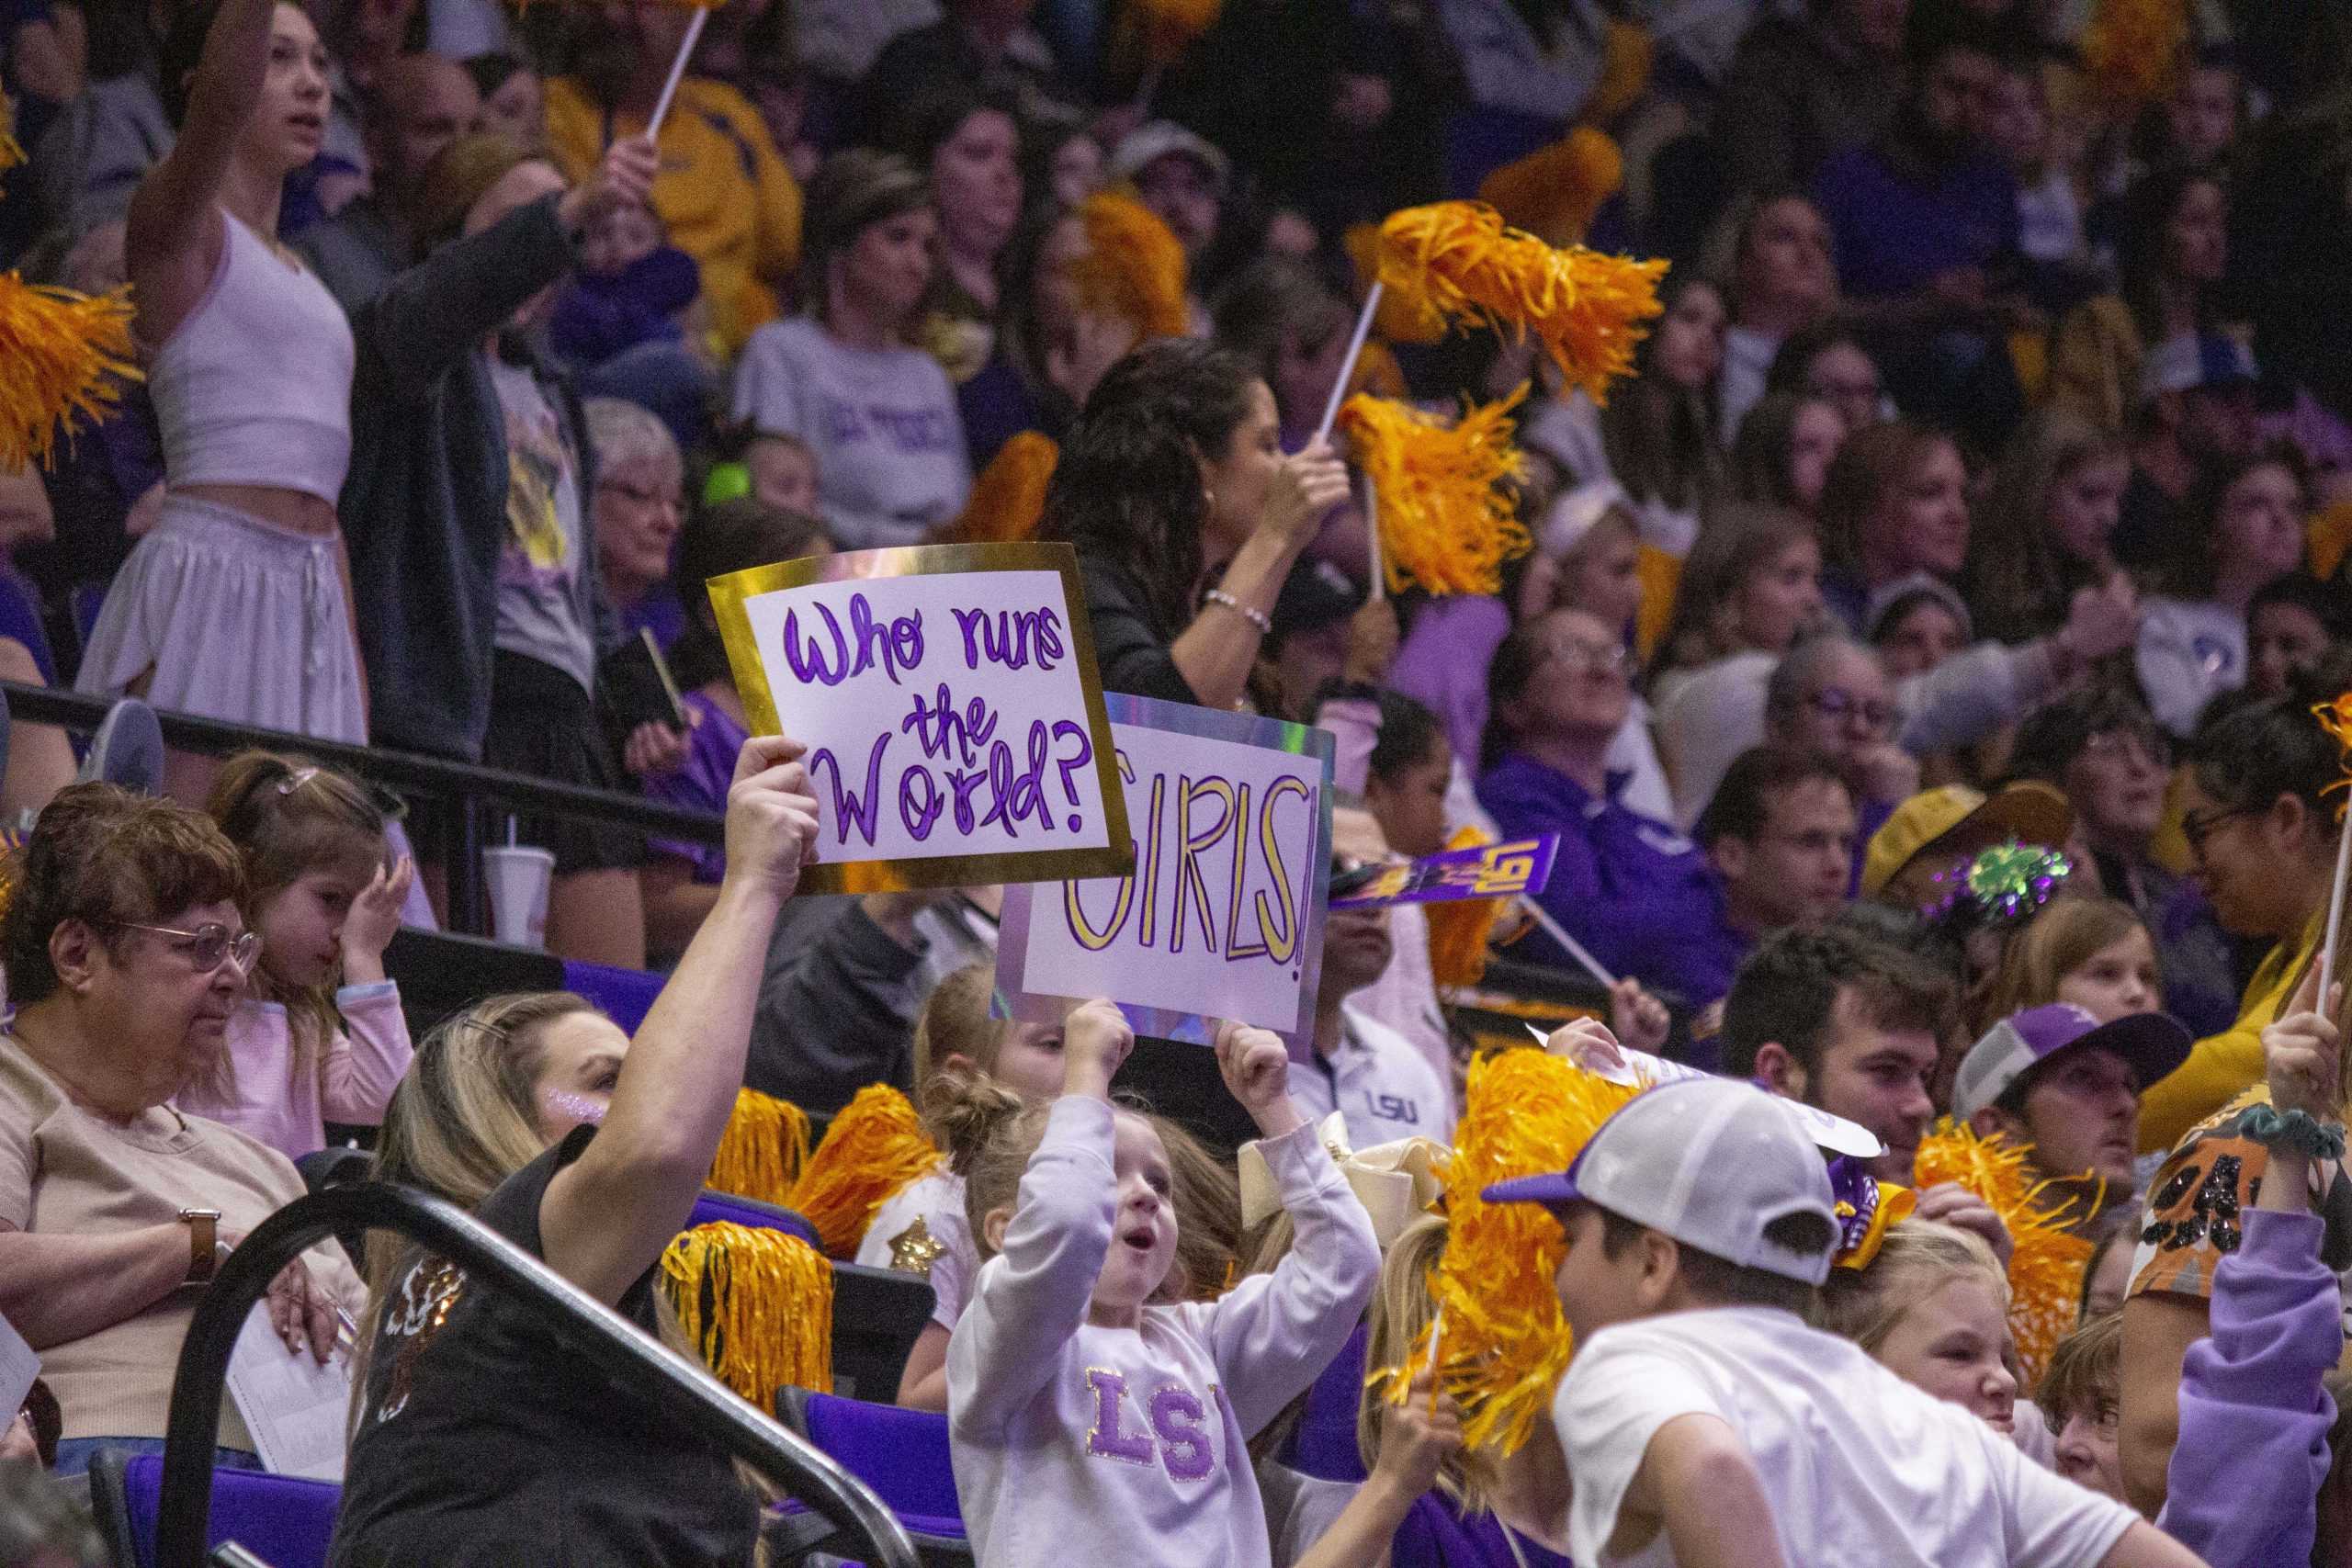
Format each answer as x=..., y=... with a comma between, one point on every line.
x=2152, y=1043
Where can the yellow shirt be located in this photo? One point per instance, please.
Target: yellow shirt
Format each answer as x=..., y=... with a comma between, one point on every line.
x=726, y=197
x=2226, y=1065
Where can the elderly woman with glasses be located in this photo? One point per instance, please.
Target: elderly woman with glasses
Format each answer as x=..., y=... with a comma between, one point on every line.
x=125, y=954
x=1637, y=894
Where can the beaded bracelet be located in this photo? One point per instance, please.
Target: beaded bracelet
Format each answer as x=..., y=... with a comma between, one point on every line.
x=1258, y=618
x=2293, y=1130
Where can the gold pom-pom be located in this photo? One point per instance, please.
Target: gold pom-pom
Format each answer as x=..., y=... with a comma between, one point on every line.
x=1170, y=27
x=1400, y=318
x=875, y=1147
x=60, y=350
x=12, y=151
x=2130, y=47
x=1134, y=266
x=1446, y=520
x=762, y=1152
x=2335, y=719
x=1009, y=497
x=1583, y=307
x=757, y=1304
x=1627, y=54
x=1553, y=191
x=2047, y=1258
x=1503, y=1340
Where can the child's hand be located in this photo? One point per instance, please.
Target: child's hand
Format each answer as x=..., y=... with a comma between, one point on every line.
x=374, y=920
x=1095, y=1041
x=1417, y=1438
x=1588, y=1042
x=1638, y=1019
x=1256, y=1065
x=2300, y=1054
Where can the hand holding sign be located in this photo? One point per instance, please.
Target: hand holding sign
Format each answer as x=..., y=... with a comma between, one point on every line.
x=770, y=815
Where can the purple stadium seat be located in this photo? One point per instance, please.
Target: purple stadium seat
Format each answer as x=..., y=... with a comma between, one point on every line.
x=285, y=1522
x=713, y=1207
x=901, y=1454
x=626, y=994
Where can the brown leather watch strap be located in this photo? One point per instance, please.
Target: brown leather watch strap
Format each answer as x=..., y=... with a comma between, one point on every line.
x=203, y=1243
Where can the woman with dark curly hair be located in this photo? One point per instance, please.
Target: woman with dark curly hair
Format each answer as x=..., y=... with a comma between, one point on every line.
x=1187, y=519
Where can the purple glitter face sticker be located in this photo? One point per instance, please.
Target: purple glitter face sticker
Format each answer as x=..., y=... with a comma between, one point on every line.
x=569, y=1108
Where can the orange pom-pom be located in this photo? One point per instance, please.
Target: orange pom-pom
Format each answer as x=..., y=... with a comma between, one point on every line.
x=1553, y=191
x=1400, y=317
x=1460, y=927
x=1446, y=520
x=2047, y=1258
x=875, y=1147
x=62, y=351
x=762, y=1151
x=1009, y=497
x=1170, y=27
x=1583, y=307
x=12, y=151
x=2130, y=47
x=2335, y=719
x=1134, y=266
x=757, y=1304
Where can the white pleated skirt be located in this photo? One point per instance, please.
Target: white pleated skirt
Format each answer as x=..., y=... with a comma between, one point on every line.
x=237, y=619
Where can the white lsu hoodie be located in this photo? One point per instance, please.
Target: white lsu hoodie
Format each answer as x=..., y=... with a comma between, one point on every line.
x=1129, y=1444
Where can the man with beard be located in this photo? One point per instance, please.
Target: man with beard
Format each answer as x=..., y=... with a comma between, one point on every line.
x=723, y=194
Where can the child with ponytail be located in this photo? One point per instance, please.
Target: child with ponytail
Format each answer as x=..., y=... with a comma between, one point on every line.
x=1079, y=1407
x=319, y=1035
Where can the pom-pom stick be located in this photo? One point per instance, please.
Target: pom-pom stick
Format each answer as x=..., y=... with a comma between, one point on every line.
x=1575, y=948
x=2335, y=717
x=1348, y=364
x=677, y=72
x=757, y=1304
x=60, y=349
x=762, y=1150
x=1445, y=519
x=1372, y=553
x=875, y=1147
x=1583, y=307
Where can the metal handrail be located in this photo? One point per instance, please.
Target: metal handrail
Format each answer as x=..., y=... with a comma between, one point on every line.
x=458, y=784
x=634, y=1363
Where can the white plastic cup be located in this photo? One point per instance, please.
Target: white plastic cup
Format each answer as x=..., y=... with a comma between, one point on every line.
x=520, y=876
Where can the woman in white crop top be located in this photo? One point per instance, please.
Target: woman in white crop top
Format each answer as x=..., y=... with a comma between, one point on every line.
x=237, y=604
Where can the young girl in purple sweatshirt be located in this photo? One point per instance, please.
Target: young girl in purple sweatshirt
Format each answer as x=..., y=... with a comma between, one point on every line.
x=1085, y=1417
x=2244, y=1482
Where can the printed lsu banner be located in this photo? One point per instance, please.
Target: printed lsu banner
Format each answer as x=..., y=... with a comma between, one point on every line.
x=948, y=697
x=1483, y=871
x=1221, y=915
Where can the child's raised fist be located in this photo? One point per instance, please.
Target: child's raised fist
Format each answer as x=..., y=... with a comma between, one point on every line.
x=1256, y=1065
x=1095, y=1041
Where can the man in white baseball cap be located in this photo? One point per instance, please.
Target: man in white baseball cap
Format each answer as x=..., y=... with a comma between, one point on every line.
x=1706, y=1425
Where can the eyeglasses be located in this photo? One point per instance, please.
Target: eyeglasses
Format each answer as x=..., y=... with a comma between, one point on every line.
x=1836, y=703
x=208, y=946
x=2198, y=826
x=1589, y=658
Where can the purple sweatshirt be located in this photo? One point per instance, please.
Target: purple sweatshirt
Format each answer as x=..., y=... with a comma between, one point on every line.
x=2245, y=1473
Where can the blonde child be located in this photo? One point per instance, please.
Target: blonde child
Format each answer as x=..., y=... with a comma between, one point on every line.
x=1081, y=1414
x=1933, y=1309
x=319, y=1035
x=1707, y=1424
x=920, y=1229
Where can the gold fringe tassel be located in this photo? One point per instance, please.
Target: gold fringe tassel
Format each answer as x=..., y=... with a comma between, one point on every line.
x=1553, y=191
x=1446, y=521
x=1400, y=317
x=1584, y=307
x=763, y=1149
x=1134, y=266
x=875, y=1147
x=2047, y=1261
x=60, y=349
x=757, y=1304
x=1505, y=1342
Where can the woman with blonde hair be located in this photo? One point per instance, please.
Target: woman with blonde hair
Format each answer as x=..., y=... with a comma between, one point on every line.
x=593, y=1147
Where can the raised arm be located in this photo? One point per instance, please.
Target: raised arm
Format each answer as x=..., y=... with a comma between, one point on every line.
x=1217, y=652
x=175, y=236
x=608, y=1214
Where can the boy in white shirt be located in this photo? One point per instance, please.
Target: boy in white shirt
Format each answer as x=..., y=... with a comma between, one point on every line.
x=1707, y=1426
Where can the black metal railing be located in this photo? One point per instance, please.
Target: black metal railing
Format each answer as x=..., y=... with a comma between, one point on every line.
x=458, y=792
x=637, y=1366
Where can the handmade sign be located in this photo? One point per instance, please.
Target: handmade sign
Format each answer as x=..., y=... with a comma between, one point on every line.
x=1482, y=871
x=948, y=697
x=1623, y=1064
x=1221, y=914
